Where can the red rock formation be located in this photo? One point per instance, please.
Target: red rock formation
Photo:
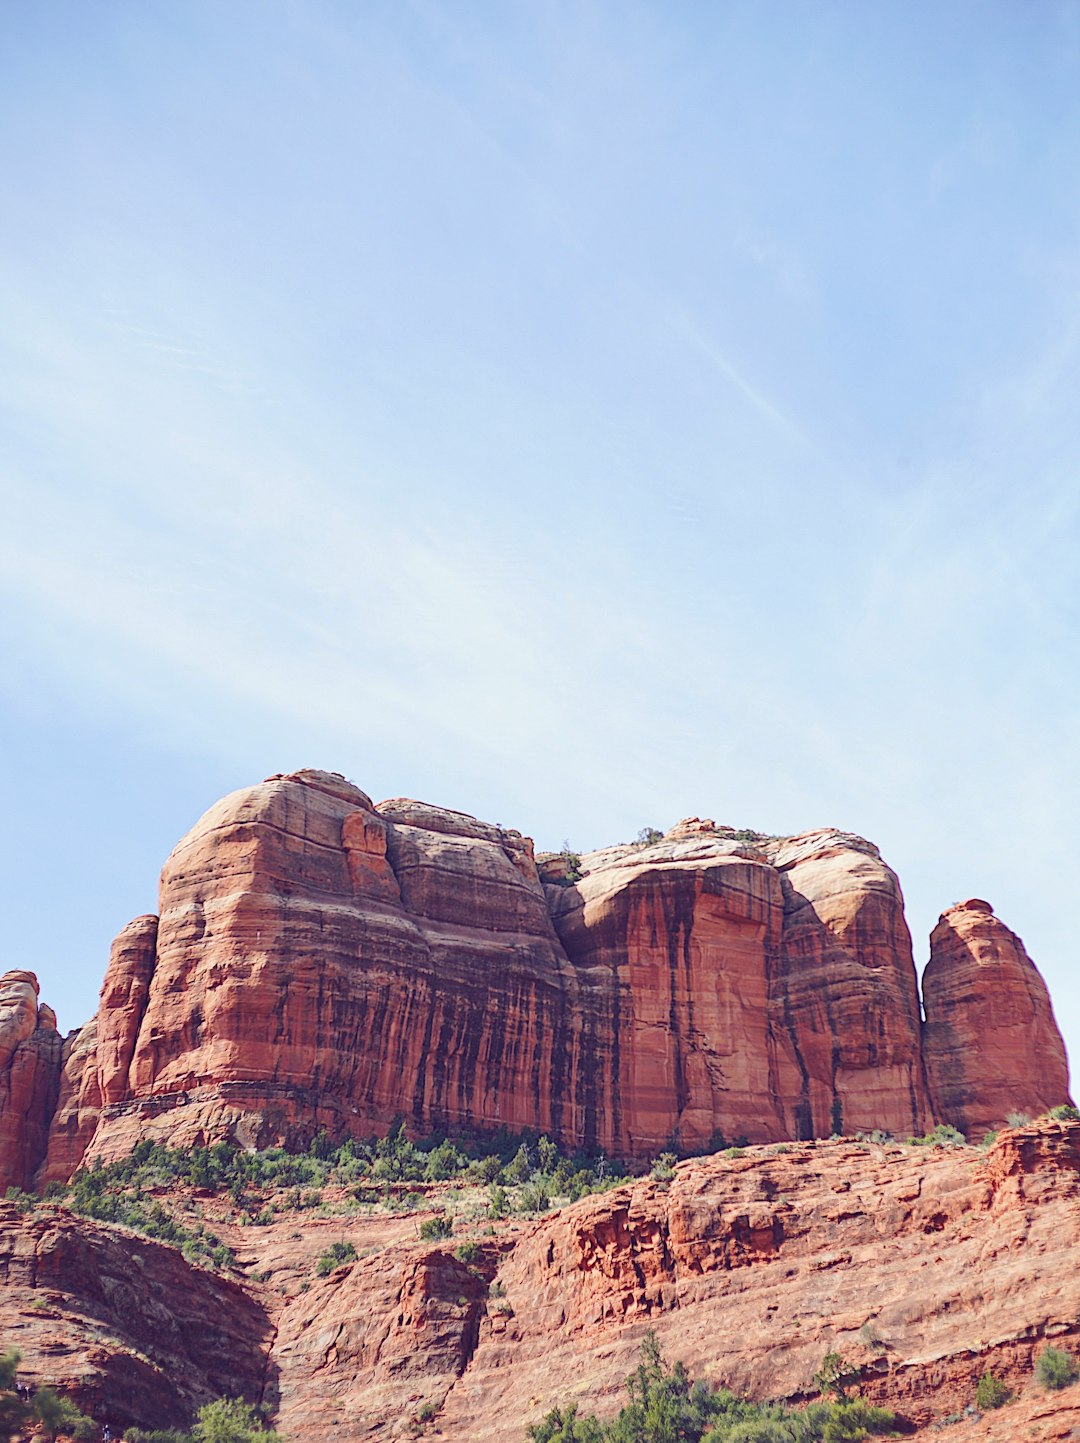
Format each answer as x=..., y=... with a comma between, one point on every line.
x=324, y=962
x=924, y=1267
x=991, y=1044
x=97, y=1057
x=30, y=1049
x=845, y=990
x=755, y=986
x=125, y=1325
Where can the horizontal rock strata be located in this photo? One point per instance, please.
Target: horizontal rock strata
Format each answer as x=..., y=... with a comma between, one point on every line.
x=322, y=961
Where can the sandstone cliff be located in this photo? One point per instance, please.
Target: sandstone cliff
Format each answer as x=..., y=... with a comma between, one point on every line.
x=322, y=961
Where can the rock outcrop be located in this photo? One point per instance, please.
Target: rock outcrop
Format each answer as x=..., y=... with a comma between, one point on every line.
x=322, y=961
x=991, y=1044
x=30, y=1049
x=924, y=1267
x=124, y=1324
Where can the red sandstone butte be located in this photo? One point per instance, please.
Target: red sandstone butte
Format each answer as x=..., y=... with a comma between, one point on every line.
x=991, y=1044
x=322, y=961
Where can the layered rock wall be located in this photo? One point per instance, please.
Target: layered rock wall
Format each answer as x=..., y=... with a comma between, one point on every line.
x=320, y=961
x=30, y=1049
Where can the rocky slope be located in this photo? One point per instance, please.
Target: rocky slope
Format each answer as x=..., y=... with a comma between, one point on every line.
x=320, y=961
x=924, y=1267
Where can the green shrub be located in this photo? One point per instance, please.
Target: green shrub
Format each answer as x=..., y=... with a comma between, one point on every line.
x=1017, y=1119
x=231, y=1420
x=156, y=1435
x=432, y=1229
x=944, y=1135
x=991, y=1392
x=335, y=1256
x=1055, y=1368
x=59, y=1415
x=835, y=1376
x=533, y=1198
x=663, y=1168
x=23, y=1202
x=1064, y=1112
x=665, y=1405
x=467, y=1252
x=573, y=864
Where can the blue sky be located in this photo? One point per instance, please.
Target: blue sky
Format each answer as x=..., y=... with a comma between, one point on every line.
x=584, y=415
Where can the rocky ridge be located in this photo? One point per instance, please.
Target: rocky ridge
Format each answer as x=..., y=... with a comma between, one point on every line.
x=925, y=1267
x=319, y=961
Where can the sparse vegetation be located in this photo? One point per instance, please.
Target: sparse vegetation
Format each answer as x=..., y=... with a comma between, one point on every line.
x=226, y=1420
x=666, y=1405
x=436, y=1228
x=524, y=1174
x=991, y=1392
x=1055, y=1368
x=335, y=1256
x=944, y=1135
x=1064, y=1112
x=649, y=836
x=663, y=1168
x=1017, y=1119
x=835, y=1376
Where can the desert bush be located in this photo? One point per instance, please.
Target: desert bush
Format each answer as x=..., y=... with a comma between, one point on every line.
x=666, y=1405
x=231, y=1420
x=1065, y=1112
x=1017, y=1119
x=533, y=1198
x=335, y=1256
x=991, y=1392
x=1055, y=1368
x=440, y=1226
x=944, y=1135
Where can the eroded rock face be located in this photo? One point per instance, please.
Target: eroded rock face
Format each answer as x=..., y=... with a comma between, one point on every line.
x=924, y=1267
x=846, y=991
x=130, y=1330
x=991, y=1044
x=322, y=961
x=97, y=1058
x=30, y=1049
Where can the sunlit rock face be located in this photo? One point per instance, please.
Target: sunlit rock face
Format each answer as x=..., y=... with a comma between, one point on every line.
x=320, y=961
x=992, y=1046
